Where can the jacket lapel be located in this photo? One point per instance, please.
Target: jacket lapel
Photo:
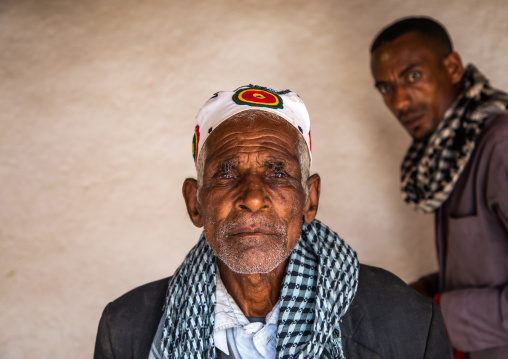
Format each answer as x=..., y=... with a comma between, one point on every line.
x=351, y=331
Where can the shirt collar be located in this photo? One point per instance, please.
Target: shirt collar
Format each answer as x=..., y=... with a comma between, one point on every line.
x=229, y=315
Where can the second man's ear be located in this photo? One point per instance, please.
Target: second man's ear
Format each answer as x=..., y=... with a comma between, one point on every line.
x=311, y=206
x=190, y=195
x=454, y=66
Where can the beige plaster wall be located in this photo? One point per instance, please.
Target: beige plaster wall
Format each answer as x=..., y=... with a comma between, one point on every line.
x=97, y=101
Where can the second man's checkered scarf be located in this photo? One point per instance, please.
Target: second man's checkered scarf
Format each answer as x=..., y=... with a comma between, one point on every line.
x=432, y=167
x=320, y=283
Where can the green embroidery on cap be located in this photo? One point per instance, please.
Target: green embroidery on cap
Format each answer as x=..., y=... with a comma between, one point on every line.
x=195, y=144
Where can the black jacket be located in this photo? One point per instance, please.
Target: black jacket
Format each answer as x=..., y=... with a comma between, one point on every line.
x=386, y=319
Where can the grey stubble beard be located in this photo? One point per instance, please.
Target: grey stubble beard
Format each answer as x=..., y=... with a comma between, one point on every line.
x=272, y=258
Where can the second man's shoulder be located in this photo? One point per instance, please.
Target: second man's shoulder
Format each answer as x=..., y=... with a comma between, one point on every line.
x=495, y=129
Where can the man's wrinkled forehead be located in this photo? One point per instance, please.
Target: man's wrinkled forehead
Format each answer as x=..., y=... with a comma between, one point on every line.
x=263, y=122
x=253, y=134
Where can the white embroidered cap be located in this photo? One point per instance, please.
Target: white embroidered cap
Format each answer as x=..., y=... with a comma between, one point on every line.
x=225, y=104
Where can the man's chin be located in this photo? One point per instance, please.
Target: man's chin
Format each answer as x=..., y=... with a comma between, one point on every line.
x=420, y=134
x=254, y=262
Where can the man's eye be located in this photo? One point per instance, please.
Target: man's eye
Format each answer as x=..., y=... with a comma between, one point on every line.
x=278, y=175
x=384, y=89
x=414, y=76
x=225, y=175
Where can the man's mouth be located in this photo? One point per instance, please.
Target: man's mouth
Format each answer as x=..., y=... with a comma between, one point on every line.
x=251, y=232
x=411, y=120
x=251, y=228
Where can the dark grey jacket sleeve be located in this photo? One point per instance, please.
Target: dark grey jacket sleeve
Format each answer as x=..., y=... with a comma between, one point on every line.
x=437, y=343
x=103, y=347
x=128, y=324
x=387, y=319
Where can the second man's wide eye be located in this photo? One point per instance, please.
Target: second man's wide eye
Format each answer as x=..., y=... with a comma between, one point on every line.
x=414, y=76
x=384, y=89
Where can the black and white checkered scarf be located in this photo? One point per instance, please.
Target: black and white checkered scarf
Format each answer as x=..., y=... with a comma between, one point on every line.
x=320, y=283
x=432, y=167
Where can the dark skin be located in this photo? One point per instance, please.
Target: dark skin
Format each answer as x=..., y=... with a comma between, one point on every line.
x=251, y=196
x=418, y=81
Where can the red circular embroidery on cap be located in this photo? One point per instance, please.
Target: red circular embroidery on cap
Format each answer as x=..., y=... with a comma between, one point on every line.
x=258, y=98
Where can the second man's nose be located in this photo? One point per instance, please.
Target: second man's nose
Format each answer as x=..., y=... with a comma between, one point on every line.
x=400, y=98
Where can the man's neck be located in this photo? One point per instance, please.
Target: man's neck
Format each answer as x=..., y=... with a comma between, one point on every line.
x=255, y=294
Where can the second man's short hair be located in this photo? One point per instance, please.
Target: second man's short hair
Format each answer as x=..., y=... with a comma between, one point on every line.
x=426, y=26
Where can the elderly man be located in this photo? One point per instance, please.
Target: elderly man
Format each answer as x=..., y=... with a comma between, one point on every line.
x=266, y=279
x=457, y=167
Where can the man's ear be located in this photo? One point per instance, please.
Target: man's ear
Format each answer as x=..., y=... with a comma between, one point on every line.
x=311, y=206
x=453, y=65
x=190, y=194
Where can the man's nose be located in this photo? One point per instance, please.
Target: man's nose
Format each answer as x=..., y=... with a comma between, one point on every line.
x=253, y=196
x=401, y=98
